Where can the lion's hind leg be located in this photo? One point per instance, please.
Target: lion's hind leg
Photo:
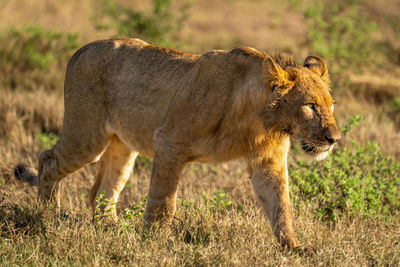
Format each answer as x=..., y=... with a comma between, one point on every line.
x=116, y=165
x=69, y=154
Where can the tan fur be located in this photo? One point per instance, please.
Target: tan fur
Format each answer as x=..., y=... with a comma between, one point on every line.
x=124, y=97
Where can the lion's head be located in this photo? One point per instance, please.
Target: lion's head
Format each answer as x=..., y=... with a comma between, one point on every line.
x=301, y=97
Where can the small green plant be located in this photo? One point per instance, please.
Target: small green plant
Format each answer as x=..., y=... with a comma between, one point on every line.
x=136, y=211
x=219, y=202
x=142, y=162
x=103, y=208
x=351, y=123
x=47, y=141
x=187, y=205
x=28, y=54
x=158, y=26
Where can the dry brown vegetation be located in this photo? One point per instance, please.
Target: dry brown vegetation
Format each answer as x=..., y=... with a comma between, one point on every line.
x=202, y=233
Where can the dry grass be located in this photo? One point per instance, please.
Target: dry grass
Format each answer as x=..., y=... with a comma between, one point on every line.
x=32, y=234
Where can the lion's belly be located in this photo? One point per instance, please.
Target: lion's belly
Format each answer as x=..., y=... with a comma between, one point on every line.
x=138, y=140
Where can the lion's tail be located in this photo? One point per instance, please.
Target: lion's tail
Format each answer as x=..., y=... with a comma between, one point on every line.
x=26, y=173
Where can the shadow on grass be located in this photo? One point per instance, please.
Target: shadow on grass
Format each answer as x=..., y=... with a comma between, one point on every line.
x=16, y=220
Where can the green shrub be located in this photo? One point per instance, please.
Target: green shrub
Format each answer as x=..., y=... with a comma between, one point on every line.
x=394, y=111
x=359, y=181
x=395, y=103
x=340, y=32
x=30, y=54
x=157, y=26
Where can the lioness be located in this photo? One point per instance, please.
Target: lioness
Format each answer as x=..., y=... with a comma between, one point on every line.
x=125, y=96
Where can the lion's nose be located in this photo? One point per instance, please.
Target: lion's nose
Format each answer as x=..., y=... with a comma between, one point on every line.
x=332, y=137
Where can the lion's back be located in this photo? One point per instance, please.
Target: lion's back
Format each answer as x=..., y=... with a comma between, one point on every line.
x=127, y=84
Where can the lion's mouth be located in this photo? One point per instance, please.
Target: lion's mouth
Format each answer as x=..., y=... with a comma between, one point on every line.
x=320, y=152
x=308, y=148
x=313, y=149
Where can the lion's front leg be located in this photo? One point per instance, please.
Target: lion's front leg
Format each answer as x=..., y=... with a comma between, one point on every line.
x=167, y=165
x=270, y=184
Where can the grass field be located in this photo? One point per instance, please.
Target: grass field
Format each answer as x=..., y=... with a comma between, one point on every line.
x=347, y=207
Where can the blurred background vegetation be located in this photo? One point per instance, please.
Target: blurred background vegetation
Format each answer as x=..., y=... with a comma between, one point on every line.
x=360, y=39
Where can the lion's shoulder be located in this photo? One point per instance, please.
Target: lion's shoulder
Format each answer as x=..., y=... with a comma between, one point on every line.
x=246, y=51
x=238, y=52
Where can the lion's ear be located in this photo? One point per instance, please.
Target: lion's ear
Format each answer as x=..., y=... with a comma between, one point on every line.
x=274, y=74
x=277, y=79
x=317, y=65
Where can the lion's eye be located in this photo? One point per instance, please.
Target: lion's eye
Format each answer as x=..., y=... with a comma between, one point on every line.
x=311, y=106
